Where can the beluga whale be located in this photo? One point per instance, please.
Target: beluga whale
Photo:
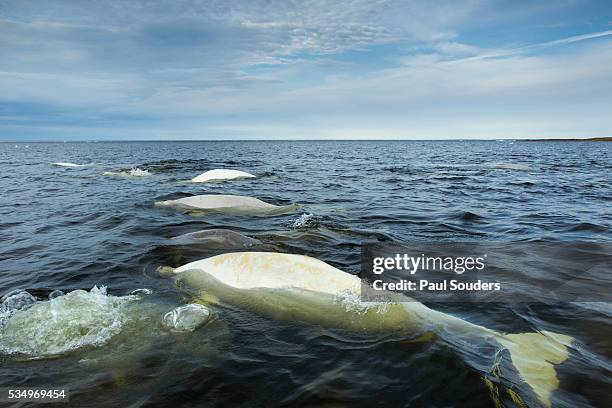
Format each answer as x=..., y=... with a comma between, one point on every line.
x=220, y=175
x=217, y=238
x=229, y=204
x=512, y=166
x=68, y=165
x=304, y=289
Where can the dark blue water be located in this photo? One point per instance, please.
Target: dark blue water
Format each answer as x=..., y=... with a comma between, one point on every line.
x=73, y=228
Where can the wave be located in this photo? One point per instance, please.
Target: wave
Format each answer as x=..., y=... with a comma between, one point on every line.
x=588, y=227
x=604, y=308
x=469, y=216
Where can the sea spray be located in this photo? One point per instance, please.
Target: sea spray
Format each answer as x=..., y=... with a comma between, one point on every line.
x=67, y=322
x=13, y=302
x=306, y=220
x=133, y=172
x=139, y=172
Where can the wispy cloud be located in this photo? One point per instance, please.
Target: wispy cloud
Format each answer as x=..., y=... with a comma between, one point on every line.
x=543, y=45
x=577, y=38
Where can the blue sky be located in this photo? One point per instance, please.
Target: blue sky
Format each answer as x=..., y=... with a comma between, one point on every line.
x=76, y=70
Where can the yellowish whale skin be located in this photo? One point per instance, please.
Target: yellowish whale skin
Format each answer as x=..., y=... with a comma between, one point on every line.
x=301, y=288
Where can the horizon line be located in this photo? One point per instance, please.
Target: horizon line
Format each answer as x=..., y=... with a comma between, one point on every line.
x=586, y=139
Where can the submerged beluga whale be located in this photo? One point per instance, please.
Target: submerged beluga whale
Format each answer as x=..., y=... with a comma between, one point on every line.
x=220, y=175
x=233, y=204
x=300, y=288
x=218, y=238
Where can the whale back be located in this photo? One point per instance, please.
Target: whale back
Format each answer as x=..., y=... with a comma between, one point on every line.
x=219, y=201
x=67, y=164
x=221, y=174
x=218, y=237
x=254, y=270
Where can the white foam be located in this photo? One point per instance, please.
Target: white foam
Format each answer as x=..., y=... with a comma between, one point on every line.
x=134, y=172
x=67, y=322
x=304, y=221
x=13, y=302
x=139, y=173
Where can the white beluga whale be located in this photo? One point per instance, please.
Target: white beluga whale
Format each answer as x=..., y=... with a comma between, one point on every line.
x=232, y=204
x=220, y=175
x=300, y=288
x=218, y=238
x=69, y=165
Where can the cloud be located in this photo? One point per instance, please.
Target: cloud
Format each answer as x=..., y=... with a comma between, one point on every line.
x=539, y=46
x=124, y=51
x=364, y=68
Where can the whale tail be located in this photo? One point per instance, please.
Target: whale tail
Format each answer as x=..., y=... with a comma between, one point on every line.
x=534, y=356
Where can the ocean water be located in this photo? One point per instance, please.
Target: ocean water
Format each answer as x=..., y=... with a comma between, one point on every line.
x=72, y=229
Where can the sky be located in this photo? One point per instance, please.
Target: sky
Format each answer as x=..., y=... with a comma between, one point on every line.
x=309, y=69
